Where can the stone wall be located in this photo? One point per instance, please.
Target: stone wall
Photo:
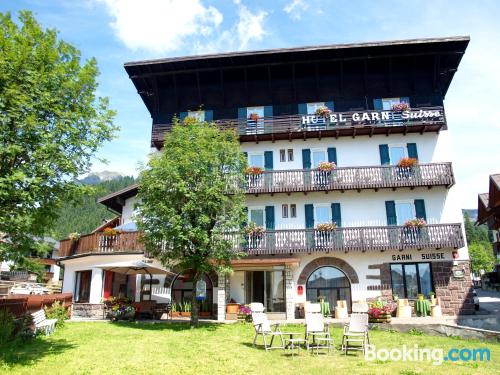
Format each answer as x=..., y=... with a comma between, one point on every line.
x=289, y=289
x=222, y=297
x=88, y=311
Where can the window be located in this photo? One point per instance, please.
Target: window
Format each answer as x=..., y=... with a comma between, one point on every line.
x=282, y=156
x=312, y=107
x=266, y=287
x=290, y=154
x=256, y=216
x=410, y=279
x=256, y=160
x=404, y=212
x=318, y=156
x=198, y=115
x=322, y=214
x=396, y=153
x=331, y=283
x=284, y=211
x=387, y=103
x=293, y=210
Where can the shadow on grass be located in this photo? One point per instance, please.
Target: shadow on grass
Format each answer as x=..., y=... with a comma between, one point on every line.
x=167, y=326
x=25, y=353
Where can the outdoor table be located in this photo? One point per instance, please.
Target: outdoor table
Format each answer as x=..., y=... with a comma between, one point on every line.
x=291, y=334
x=422, y=307
x=295, y=343
x=325, y=308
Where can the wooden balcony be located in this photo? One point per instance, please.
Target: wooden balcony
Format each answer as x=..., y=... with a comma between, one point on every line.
x=101, y=243
x=288, y=241
x=361, y=239
x=350, y=178
x=339, y=124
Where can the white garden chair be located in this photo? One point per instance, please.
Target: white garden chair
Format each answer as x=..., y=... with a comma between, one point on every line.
x=317, y=329
x=264, y=328
x=356, y=332
x=43, y=324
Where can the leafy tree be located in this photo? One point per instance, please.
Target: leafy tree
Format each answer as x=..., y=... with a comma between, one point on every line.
x=482, y=258
x=51, y=125
x=184, y=201
x=474, y=233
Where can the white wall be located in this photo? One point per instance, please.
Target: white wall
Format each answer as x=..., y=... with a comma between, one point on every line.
x=128, y=210
x=359, y=151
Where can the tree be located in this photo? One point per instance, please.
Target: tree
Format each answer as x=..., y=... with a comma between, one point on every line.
x=482, y=258
x=184, y=201
x=473, y=233
x=51, y=125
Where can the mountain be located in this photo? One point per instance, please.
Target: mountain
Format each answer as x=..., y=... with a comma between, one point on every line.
x=88, y=214
x=95, y=178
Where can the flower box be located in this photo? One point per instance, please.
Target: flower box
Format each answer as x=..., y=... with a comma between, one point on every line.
x=323, y=112
x=407, y=162
x=254, y=171
x=253, y=117
x=326, y=166
x=175, y=314
x=232, y=308
x=415, y=223
x=400, y=107
x=382, y=318
x=185, y=314
x=325, y=227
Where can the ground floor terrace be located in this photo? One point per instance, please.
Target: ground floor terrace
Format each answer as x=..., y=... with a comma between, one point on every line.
x=283, y=283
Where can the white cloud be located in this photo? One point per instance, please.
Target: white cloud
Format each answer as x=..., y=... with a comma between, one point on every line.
x=250, y=26
x=161, y=25
x=295, y=9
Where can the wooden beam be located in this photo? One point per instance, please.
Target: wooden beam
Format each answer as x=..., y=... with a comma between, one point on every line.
x=221, y=77
x=199, y=88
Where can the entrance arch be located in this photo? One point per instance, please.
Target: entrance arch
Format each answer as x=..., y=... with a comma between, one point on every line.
x=331, y=283
x=182, y=290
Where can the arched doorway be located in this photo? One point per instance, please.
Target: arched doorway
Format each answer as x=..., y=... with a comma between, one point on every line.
x=331, y=283
x=182, y=290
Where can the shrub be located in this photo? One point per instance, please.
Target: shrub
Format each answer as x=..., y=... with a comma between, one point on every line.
x=24, y=327
x=57, y=311
x=7, y=327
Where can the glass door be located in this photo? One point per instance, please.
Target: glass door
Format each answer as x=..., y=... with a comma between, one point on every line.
x=82, y=286
x=266, y=287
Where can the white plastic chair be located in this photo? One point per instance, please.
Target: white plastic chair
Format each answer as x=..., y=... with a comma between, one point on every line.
x=356, y=332
x=264, y=328
x=317, y=328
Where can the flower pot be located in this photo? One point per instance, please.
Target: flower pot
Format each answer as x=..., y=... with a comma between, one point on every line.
x=176, y=314
x=205, y=313
x=382, y=318
x=232, y=308
x=186, y=314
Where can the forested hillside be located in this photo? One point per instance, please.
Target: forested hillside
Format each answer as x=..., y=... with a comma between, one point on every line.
x=85, y=217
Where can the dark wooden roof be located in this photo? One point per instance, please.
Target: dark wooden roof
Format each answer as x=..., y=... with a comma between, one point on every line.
x=115, y=201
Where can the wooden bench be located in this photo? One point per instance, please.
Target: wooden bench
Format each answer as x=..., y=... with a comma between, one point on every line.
x=42, y=323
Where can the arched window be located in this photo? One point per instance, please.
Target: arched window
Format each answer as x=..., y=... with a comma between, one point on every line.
x=182, y=290
x=331, y=283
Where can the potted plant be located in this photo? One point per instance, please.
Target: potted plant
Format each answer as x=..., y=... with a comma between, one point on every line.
x=323, y=112
x=186, y=309
x=255, y=171
x=432, y=297
x=415, y=223
x=395, y=297
x=119, y=308
x=245, y=313
x=326, y=227
x=232, y=307
x=401, y=107
x=420, y=297
x=253, y=229
x=253, y=116
x=321, y=299
x=407, y=162
x=326, y=166
x=204, y=309
x=380, y=311
x=175, y=310
x=110, y=232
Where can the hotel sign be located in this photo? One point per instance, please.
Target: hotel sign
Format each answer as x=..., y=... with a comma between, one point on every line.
x=421, y=257
x=374, y=116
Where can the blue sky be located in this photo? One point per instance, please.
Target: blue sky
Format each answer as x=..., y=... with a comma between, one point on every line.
x=116, y=31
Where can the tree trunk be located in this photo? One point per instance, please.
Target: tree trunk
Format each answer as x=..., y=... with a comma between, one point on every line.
x=195, y=305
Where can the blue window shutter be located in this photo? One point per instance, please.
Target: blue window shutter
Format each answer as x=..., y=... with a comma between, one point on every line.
x=384, y=154
x=268, y=160
x=309, y=210
x=420, y=209
x=303, y=109
x=209, y=115
x=306, y=158
x=330, y=106
x=336, y=215
x=269, y=217
x=242, y=113
x=404, y=99
x=390, y=209
x=182, y=115
x=268, y=111
x=377, y=104
x=412, y=150
x=332, y=154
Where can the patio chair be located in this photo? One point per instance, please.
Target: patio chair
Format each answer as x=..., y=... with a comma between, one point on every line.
x=264, y=328
x=356, y=332
x=404, y=309
x=316, y=328
x=436, y=310
x=341, y=310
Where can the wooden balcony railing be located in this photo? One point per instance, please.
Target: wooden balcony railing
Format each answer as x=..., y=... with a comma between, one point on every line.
x=287, y=241
x=352, y=123
x=101, y=243
x=349, y=178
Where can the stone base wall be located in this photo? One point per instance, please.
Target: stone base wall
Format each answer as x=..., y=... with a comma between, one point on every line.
x=289, y=289
x=454, y=292
x=88, y=310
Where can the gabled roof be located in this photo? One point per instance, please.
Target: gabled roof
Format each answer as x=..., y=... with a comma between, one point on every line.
x=115, y=201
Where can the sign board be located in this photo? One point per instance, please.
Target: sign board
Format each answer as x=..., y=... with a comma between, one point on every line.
x=420, y=256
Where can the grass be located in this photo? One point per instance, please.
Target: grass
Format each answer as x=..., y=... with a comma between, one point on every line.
x=142, y=348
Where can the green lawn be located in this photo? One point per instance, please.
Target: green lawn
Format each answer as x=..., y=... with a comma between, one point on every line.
x=142, y=348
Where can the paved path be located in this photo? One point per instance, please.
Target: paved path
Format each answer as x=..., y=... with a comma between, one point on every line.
x=489, y=301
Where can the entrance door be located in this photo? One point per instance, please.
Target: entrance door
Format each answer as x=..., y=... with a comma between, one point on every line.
x=266, y=287
x=82, y=286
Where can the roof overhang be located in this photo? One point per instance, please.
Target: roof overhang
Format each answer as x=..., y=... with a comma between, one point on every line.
x=115, y=201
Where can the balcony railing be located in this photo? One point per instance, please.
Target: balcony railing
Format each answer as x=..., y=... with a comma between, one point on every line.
x=102, y=243
x=350, y=123
x=349, y=178
x=287, y=241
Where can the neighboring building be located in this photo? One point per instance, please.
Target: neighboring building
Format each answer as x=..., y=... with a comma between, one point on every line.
x=385, y=103
x=489, y=213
